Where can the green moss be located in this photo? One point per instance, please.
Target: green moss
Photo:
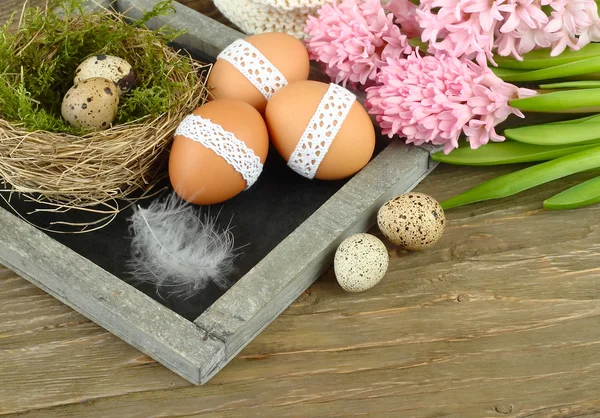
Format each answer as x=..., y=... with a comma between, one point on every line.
x=38, y=62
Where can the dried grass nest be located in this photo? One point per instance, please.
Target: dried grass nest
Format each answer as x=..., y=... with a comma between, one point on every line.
x=44, y=159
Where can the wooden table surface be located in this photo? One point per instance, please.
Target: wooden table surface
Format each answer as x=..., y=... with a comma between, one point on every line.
x=500, y=319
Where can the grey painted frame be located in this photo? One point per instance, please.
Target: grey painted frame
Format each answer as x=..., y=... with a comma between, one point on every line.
x=198, y=350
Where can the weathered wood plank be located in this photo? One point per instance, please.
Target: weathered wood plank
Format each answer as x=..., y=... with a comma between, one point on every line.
x=499, y=319
x=107, y=300
x=207, y=8
x=51, y=355
x=203, y=33
x=8, y=7
x=104, y=298
x=275, y=282
x=501, y=315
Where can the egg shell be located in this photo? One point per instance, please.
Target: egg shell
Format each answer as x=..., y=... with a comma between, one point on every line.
x=107, y=66
x=285, y=52
x=201, y=176
x=288, y=114
x=360, y=262
x=414, y=221
x=93, y=103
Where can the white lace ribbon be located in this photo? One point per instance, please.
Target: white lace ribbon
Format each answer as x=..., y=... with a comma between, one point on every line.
x=321, y=130
x=224, y=144
x=254, y=66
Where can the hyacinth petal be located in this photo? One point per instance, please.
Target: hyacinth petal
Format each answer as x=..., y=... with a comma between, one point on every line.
x=427, y=99
x=554, y=25
x=351, y=39
x=510, y=24
x=477, y=28
x=405, y=13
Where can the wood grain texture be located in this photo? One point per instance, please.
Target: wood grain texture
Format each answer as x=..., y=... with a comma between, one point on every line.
x=203, y=34
x=37, y=372
x=277, y=280
x=207, y=8
x=107, y=300
x=8, y=7
x=500, y=319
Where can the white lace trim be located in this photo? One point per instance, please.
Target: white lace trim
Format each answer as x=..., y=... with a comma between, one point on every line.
x=289, y=5
x=254, y=66
x=253, y=18
x=321, y=130
x=259, y=16
x=224, y=144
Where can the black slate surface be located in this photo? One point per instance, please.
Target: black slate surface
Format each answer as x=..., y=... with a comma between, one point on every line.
x=261, y=218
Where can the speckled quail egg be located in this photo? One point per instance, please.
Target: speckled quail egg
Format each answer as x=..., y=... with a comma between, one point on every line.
x=106, y=66
x=360, y=262
x=92, y=103
x=414, y=221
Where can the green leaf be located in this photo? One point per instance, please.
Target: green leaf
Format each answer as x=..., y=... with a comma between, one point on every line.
x=576, y=68
x=541, y=58
x=583, y=194
x=506, y=72
x=587, y=84
x=508, y=152
x=556, y=133
x=588, y=76
x=418, y=43
x=518, y=181
x=561, y=102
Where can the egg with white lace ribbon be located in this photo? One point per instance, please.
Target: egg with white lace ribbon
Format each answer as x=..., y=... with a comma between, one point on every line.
x=254, y=68
x=320, y=129
x=218, y=152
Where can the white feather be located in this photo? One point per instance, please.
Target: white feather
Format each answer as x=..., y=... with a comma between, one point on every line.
x=177, y=250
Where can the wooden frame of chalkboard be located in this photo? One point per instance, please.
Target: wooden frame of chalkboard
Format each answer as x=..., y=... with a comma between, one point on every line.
x=198, y=350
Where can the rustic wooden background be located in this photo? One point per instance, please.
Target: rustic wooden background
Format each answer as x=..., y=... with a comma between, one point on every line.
x=500, y=319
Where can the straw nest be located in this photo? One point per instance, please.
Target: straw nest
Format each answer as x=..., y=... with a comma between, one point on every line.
x=92, y=171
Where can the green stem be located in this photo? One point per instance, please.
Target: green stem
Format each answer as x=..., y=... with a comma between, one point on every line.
x=541, y=58
x=583, y=194
x=561, y=101
x=591, y=84
x=508, y=152
x=417, y=42
x=556, y=134
x=506, y=72
x=527, y=178
x=576, y=68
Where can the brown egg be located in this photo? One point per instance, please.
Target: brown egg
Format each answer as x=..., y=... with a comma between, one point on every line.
x=291, y=110
x=207, y=158
x=286, y=53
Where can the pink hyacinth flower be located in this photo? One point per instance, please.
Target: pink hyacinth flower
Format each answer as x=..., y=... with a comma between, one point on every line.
x=476, y=29
x=575, y=24
x=435, y=99
x=405, y=13
x=462, y=27
x=354, y=39
x=523, y=29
